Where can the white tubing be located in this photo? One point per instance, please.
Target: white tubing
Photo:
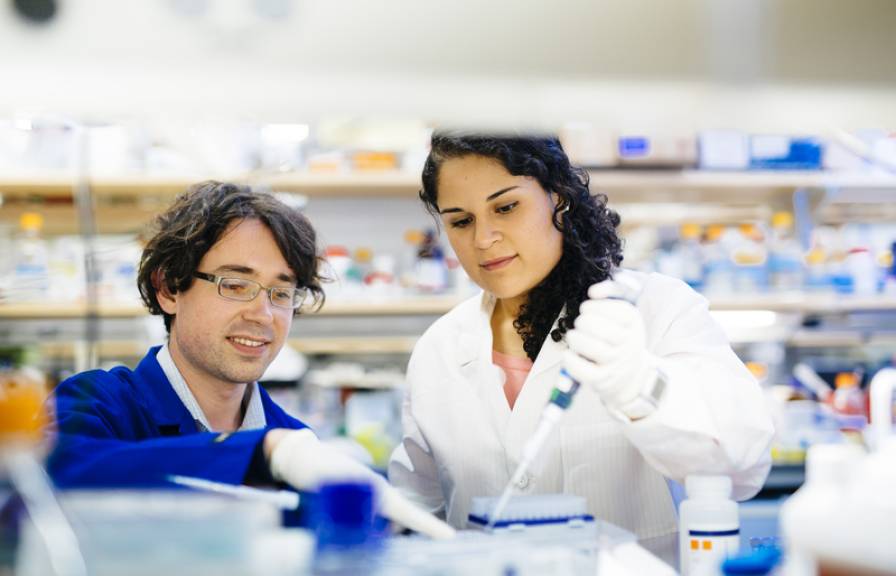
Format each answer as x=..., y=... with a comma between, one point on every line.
x=882, y=386
x=810, y=378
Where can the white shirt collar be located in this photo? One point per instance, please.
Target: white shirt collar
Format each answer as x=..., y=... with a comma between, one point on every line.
x=252, y=420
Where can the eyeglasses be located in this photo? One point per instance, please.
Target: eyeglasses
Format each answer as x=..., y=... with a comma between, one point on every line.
x=246, y=290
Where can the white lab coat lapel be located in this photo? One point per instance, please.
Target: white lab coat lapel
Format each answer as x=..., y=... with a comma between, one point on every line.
x=486, y=380
x=534, y=395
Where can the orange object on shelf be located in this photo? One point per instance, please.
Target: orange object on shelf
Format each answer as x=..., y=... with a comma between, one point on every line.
x=372, y=161
x=22, y=417
x=848, y=398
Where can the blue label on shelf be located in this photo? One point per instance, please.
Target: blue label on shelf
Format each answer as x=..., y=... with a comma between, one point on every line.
x=633, y=146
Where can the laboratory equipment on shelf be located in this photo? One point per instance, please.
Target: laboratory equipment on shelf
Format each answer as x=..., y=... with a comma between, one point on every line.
x=629, y=289
x=840, y=521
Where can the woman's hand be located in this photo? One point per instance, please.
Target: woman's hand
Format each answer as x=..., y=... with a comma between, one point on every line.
x=607, y=347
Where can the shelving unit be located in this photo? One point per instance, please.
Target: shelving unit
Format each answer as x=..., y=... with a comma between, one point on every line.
x=385, y=183
x=337, y=345
x=125, y=205
x=428, y=305
x=399, y=183
x=411, y=306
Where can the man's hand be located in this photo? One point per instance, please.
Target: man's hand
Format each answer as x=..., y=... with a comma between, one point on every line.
x=298, y=458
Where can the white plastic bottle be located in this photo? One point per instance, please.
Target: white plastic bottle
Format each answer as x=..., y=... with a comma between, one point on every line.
x=785, y=257
x=31, y=277
x=806, y=517
x=709, y=528
x=691, y=254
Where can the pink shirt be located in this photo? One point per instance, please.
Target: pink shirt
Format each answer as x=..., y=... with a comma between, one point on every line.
x=516, y=369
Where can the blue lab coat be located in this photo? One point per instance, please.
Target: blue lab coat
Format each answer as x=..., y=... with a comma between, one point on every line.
x=125, y=428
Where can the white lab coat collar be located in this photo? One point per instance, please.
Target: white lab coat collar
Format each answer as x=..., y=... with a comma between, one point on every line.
x=476, y=340
x=475, y=358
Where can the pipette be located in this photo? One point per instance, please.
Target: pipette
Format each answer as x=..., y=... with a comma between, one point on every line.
x=628, y=289
x=284, y=499
x=561, y=398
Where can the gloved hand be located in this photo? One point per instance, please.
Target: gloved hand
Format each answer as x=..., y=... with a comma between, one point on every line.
x=607, y=347
x=300, y=460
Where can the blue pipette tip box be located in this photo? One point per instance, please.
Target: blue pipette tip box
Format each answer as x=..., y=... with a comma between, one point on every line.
x=531, y=511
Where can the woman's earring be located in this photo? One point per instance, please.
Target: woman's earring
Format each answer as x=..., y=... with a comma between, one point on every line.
x=565, y=208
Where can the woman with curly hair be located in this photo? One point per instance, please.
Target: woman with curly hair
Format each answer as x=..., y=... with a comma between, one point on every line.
x=663, y=395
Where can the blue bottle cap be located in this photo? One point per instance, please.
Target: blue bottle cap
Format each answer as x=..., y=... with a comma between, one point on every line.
x=761, y=561
x=344, y=515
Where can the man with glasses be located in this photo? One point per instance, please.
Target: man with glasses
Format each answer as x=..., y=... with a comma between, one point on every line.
x=227, y=268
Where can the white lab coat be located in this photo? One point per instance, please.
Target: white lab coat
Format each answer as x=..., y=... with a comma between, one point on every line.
x=461, y=439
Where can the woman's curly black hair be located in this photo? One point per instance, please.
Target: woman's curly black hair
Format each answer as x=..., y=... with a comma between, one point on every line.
x=196, y=221
x=591, y=245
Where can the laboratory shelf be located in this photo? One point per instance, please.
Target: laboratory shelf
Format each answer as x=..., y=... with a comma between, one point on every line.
x=435, y=305
x=405, y=306
x=61, y=187
x=381, y=183
x=713, y=179
x=340, y=345
x=804, y=303
x=841, y=339
x=423, y=305
x=355, y=345
x=69, y=349
x=41, y=311
x=384, y=183
x=403, y=183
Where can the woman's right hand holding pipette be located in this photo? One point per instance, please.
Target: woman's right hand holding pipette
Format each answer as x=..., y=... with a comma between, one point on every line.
x=608, y=348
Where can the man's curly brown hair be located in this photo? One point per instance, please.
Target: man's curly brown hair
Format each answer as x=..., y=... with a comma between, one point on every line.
x=591, y=246
x=195, y=222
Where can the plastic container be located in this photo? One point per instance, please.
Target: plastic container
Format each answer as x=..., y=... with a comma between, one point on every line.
x=347, y=283
x=778, y=152
x=863, y=269
x=691, y=255
x=718, y=268
x=348, y=534
x=709, y=530
x=806, y=516
x=841, y=520
x=31, y=274
x=848, y=398
x=750, y=258
x=785, y=257
x=889, y=287
x=430, y=270
x=724, y=150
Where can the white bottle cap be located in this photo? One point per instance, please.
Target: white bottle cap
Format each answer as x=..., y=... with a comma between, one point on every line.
x=708, y=486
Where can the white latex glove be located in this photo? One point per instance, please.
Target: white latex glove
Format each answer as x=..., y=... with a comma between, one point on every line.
x=607, y=347
x=300, y=460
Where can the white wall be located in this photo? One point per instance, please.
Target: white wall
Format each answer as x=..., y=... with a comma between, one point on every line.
x=789, y=65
